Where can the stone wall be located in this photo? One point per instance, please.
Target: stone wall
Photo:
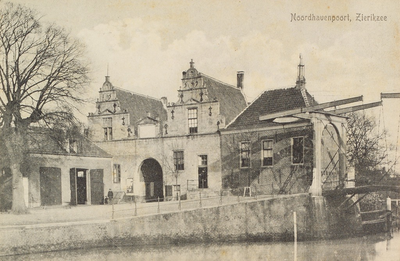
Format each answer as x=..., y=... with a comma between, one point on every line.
x=262, y=220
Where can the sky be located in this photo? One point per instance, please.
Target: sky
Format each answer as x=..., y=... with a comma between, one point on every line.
x=147, y=44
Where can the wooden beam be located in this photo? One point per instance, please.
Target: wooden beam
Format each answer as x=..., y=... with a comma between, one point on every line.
x=390, y=95
x=356, y=108
x=311, y=108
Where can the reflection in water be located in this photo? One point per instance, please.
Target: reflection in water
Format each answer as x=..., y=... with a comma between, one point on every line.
x=362, y=248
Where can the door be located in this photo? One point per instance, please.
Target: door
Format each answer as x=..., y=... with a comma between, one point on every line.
x=203, y=177
x=50, y=186
x=81, y=190
x=203, y=171
x=72, y=181
x=96, y=186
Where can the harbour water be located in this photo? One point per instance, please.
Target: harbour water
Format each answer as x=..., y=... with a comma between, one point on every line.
x=372, y=247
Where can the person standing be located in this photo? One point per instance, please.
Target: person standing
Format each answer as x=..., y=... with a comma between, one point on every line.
x=110, y=196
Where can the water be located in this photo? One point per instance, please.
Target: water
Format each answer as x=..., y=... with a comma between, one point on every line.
x=352, y=249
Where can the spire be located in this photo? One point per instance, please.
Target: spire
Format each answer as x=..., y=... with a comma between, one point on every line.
x=301, y=80
x=191, y=63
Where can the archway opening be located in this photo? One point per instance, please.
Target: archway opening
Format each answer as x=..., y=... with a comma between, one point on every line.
x=153, y=178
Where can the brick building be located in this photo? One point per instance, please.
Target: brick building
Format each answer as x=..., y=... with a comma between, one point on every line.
x=284, y=142
x=157, y=144
x=208, y=140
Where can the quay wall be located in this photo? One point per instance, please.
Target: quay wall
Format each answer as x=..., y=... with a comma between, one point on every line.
x=258, y=220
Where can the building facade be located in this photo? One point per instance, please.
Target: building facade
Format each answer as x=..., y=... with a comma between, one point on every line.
x=210, y=140
x=160, y=148
x=71, y=172
x=284, y=143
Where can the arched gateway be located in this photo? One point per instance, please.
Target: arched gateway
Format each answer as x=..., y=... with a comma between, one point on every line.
x=153, y=178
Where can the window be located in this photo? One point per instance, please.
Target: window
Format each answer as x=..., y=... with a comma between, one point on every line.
x=73, y=146
x=192, y=115
x=245, y=154
x=178, y=160
x=117, y=173
x=107, y=133
x=129, y=185
x=298, y=150
x=202, y=160
x=107, y=128
x=267, y=152
x=168, y=190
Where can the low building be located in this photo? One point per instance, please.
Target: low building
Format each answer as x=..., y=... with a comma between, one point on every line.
x=62, y=173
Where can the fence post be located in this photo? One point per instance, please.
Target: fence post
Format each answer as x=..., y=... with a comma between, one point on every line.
x=295, y=234
x=238, y=198
x=158, y=204
x=135, y=208
x=179, y=202
x=200, y=199
x=220, y=197
x=112, y=215
x=295, y=225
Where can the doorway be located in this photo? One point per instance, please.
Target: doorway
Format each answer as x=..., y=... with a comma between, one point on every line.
x=81, y=190
x=78, y=185
x=203, y=171
x=153, y=178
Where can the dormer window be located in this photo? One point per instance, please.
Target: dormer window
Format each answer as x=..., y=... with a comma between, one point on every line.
x=192, y=117
x=73, y=147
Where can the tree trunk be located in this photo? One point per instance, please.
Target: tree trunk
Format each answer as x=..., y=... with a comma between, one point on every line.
x=16, y=149
x=18, y=201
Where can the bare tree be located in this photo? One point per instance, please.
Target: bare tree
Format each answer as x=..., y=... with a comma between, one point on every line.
x=365, y=150
x=42, y=74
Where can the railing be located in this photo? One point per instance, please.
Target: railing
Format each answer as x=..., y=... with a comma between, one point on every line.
x=156, y=206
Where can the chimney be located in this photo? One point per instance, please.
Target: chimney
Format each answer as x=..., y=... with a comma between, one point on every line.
x=164, y=102
x=148, y=114
x=240, y=76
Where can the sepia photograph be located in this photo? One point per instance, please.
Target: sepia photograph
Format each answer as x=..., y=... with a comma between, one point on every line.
x=199, y=130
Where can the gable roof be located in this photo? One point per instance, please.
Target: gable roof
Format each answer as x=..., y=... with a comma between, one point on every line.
x=42, y=142
x=272, y=101
x=230, y=98
x=138, y=106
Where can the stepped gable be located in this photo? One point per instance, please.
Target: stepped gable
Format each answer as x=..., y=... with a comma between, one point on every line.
x=271, y=101
x=231, y=99
x=138, y=106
